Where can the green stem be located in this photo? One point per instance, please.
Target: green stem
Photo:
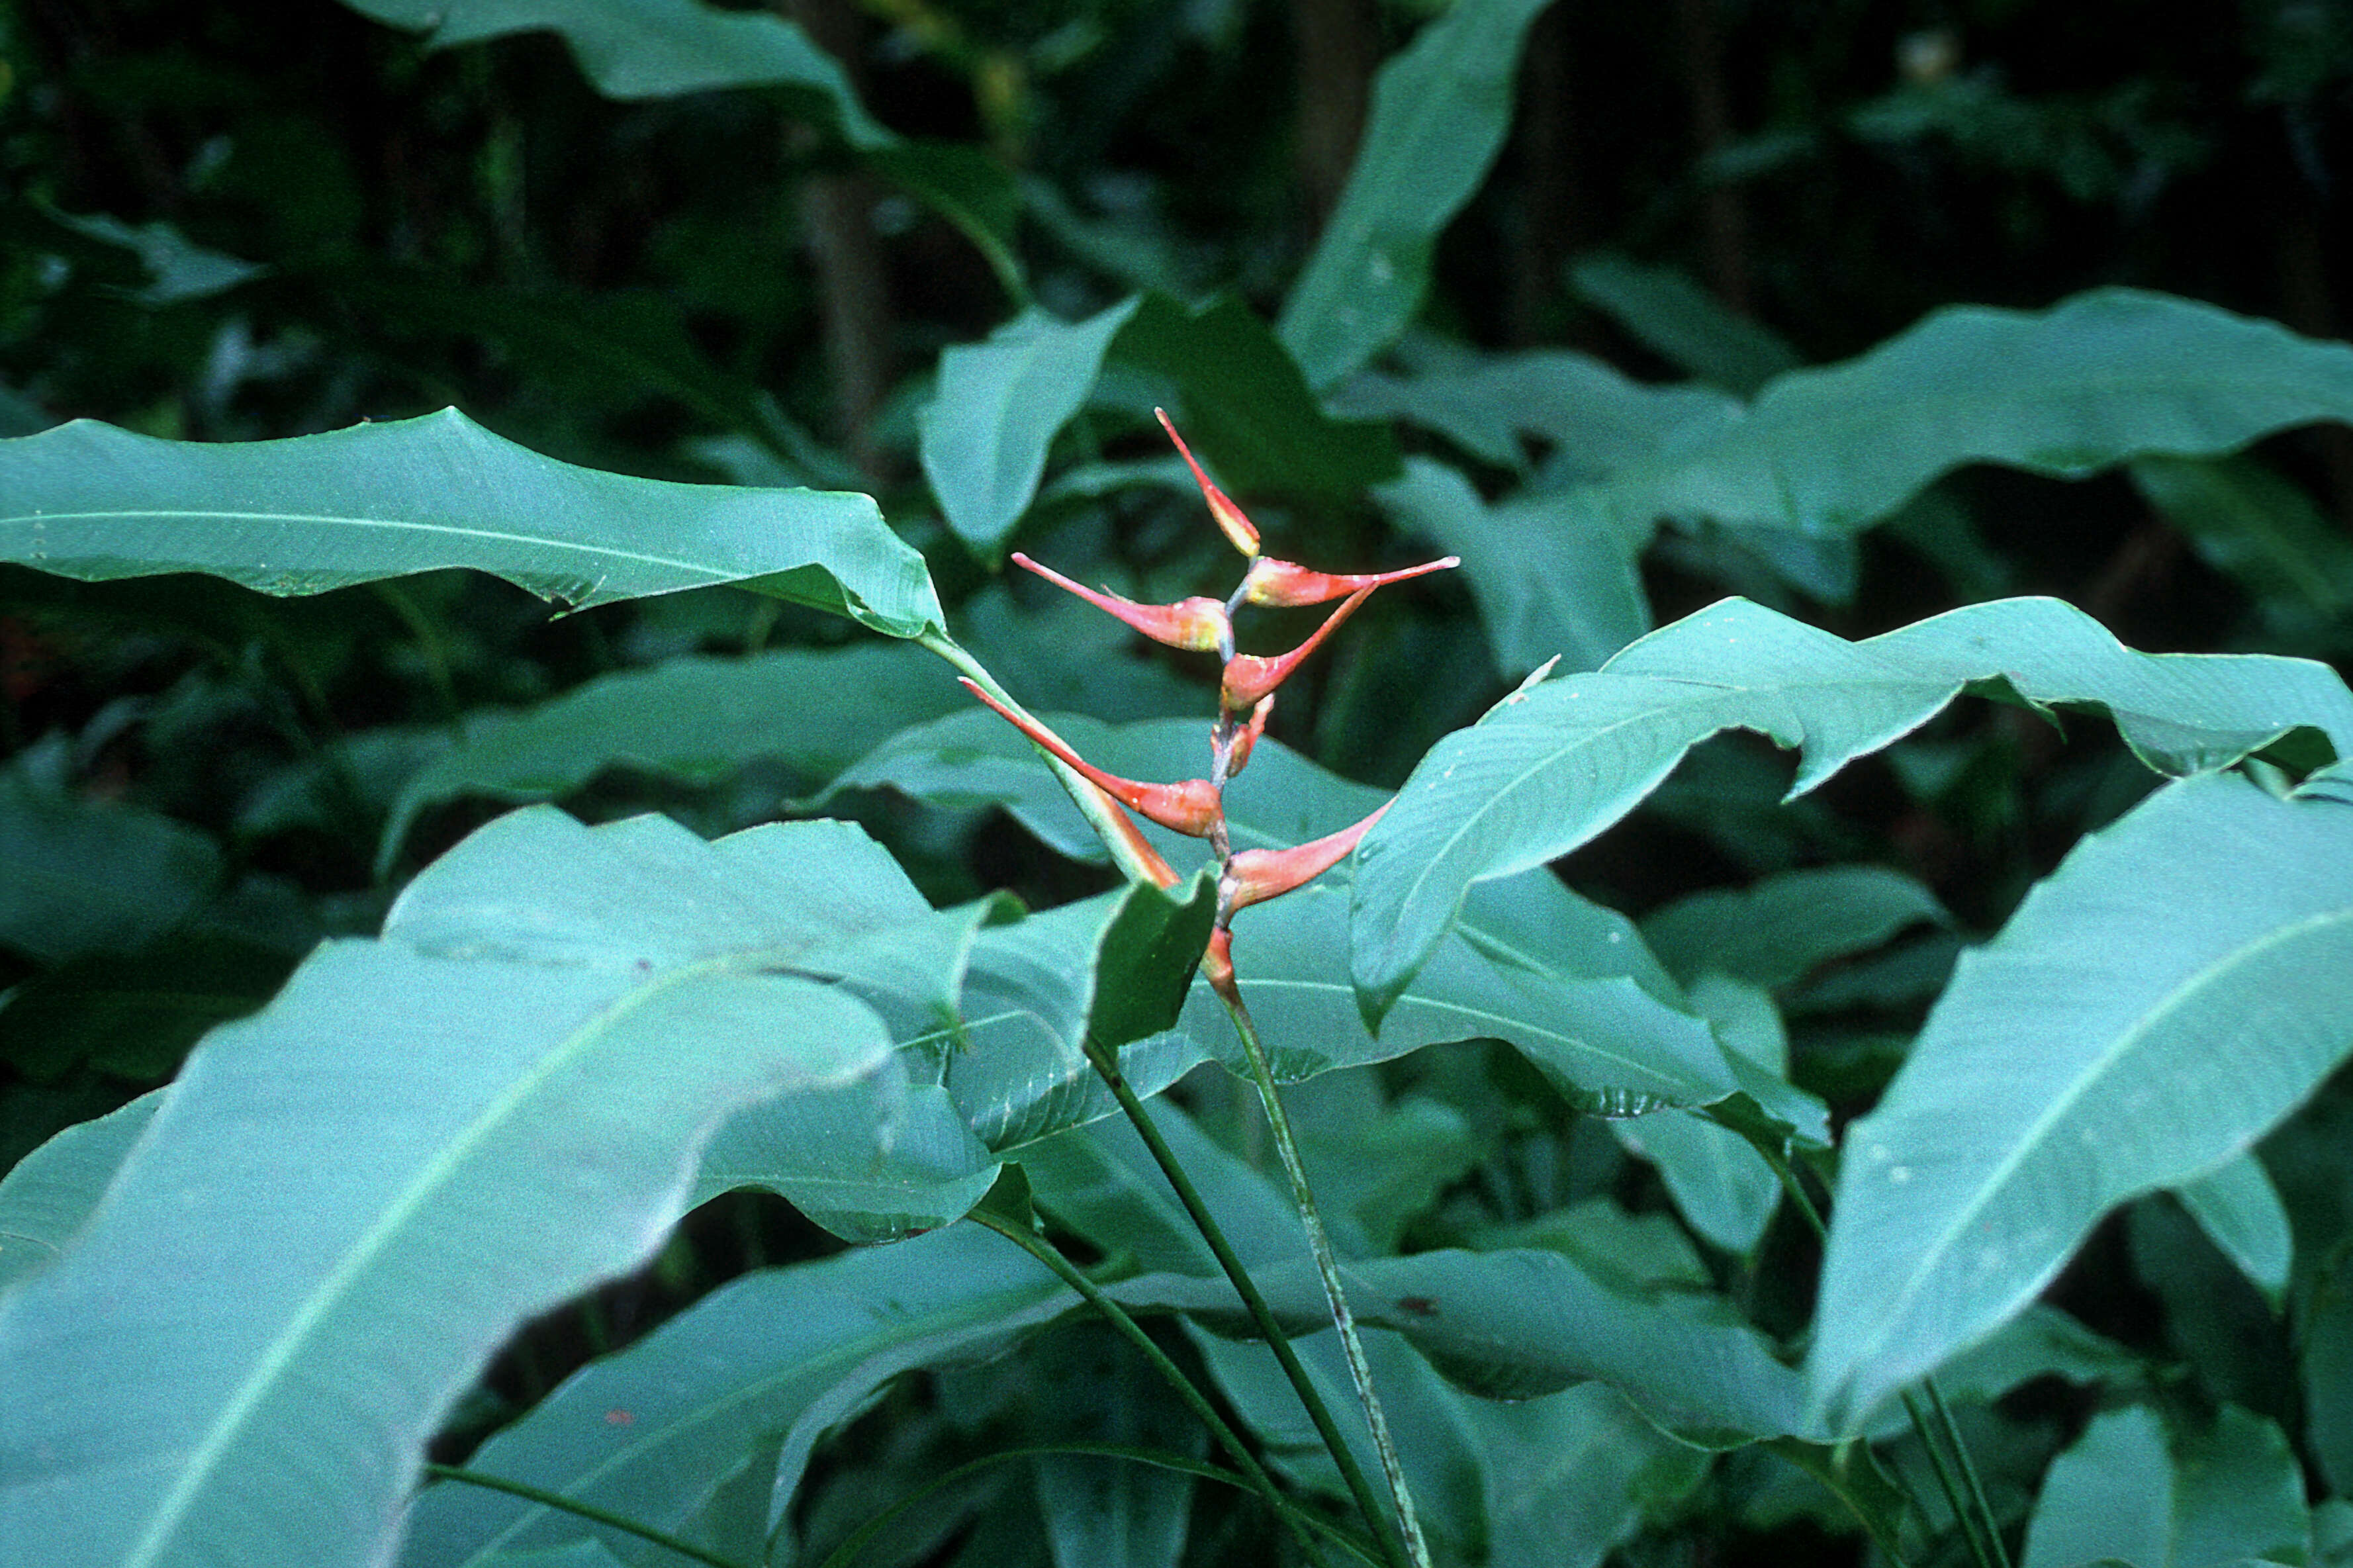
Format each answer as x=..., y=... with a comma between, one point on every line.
x=1969, y=1472
x=1191, y=1396
x=1277, y=1340
x=844, y=1554
x=1328, y=1269
x=562, y=1504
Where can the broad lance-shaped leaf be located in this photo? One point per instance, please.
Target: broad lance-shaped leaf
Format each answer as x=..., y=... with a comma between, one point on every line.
x=48, y=1196
x=693, y=719
x=652, y=49
x=2100, y=379
x=314, y=513
x=1440, y=112
x=983, y=437
x=2161, y=1001
x=2129, y=1491
x=1549, y=768
x=781, y=1353
x=425, y=1138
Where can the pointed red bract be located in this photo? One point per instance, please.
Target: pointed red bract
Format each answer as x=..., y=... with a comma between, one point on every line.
x=1189, y=807
x=1248, y=677
x=1247, y=740
x=1196, y=623
x=1162, y=874
x=1238, y=528
x=1279, y=583
x=1217, y=964
x=1255, y=876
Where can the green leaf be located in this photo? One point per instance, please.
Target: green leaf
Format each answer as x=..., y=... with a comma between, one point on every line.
x=689, y=719
x=1718, y=1180
x=2325, y=1371
x=2098, y=380
x=425, y=1139
x=1595, y=419
x=2240, y=1211
x=1553, y=577
x=733, y=1393
x=48, y=1196
x=1248, y=413
x=135, y=1014
x=2155, y=1006
x=2247, y=521
x=653, y=49
x=1440, y=108
x=1781, y=928
x=1089, y=1386
x=314, y=513
x=1549, y=768
x=1682, y=322
x=2201, y=1500
x=78, y=877
x=999, y=404
x=1569, y=1477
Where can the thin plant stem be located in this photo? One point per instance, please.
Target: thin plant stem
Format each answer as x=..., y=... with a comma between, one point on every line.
x=595, y=1515
x=1328, y=1269
x=847, y=1552
x=1188, y=1394
x=1277, y=1340
x=1977, y=1526
x=1969, y=1472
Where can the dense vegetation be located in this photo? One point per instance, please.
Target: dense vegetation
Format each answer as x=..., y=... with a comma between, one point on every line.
x=540, y=1025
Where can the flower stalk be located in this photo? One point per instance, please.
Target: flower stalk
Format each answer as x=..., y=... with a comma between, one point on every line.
x=1196, y=807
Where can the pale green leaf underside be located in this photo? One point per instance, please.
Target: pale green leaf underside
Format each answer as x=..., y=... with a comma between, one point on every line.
x=47, y=1196
x=2098, y=380
x=310, y=513
x=2155, y=1006
x=1548, y=770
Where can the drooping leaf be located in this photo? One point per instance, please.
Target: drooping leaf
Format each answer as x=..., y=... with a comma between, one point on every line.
x=1780, y=929
x=1595, y=419
x=999, y=404
x=1569, y=1477
x=656, y=1432
x=1553, y=573
x=47, y=1196
x=1249, y=413
x=1440, y=111
x=1551, y=767
x=2253, y=524
x=2196, y=1499
x=2154, y=1007
x=692, y=718
x=425, y=1138
x=2098, y=380
x=653, y=48
x=1718, y=1179
x=80, y=876
x=2240, y=1211
x=313, y=512
x=1682, y=322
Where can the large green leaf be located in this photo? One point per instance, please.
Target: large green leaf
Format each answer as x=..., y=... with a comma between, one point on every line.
x=731, y=1394
x=2100, y=379
x=1248, y=412
x=314, y=513
x=653, y=49
x=1781, y=928
x=1554, y=575
x=1682, y=322
x=689, y=719
x=1549, y=768
x=425, y=1138
x=2248, y=521
x=1438, y=115
x=1568, y=1476
x=2155, y=1006
x=48, y=1196
x=999, y=404
x=80, y=876
x=2196, y=1499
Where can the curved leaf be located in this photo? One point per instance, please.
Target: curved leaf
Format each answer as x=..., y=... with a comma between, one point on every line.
x=2241, y=1212
x=2172, y=991
x=652, y=49
x=698, y=1406
x=1781, y=928
x=314, y=513
x=1682, y=322
x=694, y=719
x=1595, y=419
x=1551, y=767
x=49, y=1194
x=998, y=404
x=2098, y=380
x=1440, y=111
x=425, y=1138
x=2129, y=1491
